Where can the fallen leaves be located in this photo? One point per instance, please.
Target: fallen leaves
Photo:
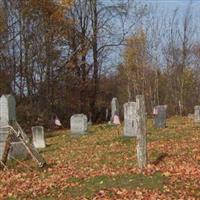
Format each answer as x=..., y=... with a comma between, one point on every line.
x=105, y=153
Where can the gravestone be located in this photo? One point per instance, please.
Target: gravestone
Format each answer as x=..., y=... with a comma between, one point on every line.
x=38, y=136
x=78, y=123
x=160, y=116
x=141, y=130
x=129, y=119
x=7, y=116
x=197, y=114
x=18, y=151
x=114, y=108
x=7, y=109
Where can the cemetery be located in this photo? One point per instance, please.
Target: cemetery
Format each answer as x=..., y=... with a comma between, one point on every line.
x=99, y=100
x=136, y=158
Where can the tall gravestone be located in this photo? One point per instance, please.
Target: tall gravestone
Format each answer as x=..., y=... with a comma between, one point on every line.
x=197, y=114
x=129, y=119
x=38, y=137
x=141, y=130
x=114, y=107
x=160, y=116
x=7, y=115
x=78, y=123
x=7, y=109
x=135, y=125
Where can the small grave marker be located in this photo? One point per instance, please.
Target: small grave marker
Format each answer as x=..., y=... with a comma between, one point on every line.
x=38, y=136
x=78, y=123
x=160, y=116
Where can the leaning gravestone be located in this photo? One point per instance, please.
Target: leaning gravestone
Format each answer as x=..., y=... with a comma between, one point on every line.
x=129, y=119
x=38, y=136
x=78, y=123
x=160, y=116
x=7, y=115
x=197, y=114
x=114, y=107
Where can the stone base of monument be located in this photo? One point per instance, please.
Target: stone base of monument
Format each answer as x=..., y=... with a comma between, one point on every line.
x=18, y=151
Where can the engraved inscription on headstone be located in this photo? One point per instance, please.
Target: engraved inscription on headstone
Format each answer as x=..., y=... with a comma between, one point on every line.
x=38, y=137
x=78, y=123
x=160, y=116
x=114, y=107
x=129, y=119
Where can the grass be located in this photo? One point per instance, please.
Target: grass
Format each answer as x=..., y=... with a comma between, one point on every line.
x=87, y=188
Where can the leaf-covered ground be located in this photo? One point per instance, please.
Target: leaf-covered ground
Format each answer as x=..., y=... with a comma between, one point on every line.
x=102, y=165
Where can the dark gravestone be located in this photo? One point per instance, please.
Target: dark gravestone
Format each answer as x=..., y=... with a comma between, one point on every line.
x=160, y=116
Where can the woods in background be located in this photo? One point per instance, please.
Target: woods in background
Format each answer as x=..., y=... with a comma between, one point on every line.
x=59, y=57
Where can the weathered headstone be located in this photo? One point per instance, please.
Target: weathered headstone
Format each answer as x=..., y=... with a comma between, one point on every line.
x=141, y=131
x=160, y=116
x=197, y=114
x=7, y=114
x=78, y=123
x=7, y=109
x=18, y=151
x=135, y=125
x=129, y=119
x=38, y=136
x=114, y=107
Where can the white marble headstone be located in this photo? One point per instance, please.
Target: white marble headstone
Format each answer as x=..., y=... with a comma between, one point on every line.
x=129, y=119
x=78, y=123
x=38, y=137
x=7, y=109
